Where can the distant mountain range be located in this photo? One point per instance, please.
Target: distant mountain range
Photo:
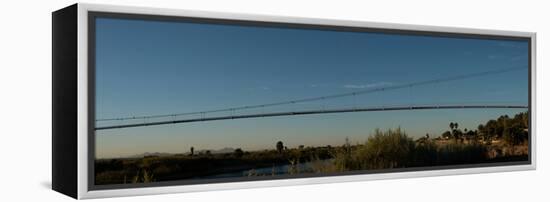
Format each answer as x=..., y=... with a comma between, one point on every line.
x=150, y=154
x=220, y=151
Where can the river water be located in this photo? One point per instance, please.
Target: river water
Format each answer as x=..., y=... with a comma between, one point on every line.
x=307, y=167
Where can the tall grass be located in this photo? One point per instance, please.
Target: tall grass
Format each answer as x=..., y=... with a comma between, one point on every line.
x=394, y=149
x=388, y=149
x=143, y=177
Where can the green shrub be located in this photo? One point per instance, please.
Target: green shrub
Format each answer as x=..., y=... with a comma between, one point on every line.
x=389, y=149
x=394, y=149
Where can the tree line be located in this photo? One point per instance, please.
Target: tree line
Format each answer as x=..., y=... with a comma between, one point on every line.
x=512, y=130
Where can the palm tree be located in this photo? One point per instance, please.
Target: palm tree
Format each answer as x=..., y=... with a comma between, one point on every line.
x=454, y=130
x=279, y=147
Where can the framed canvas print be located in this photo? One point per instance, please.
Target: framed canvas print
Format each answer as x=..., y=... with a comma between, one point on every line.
x=149, y=101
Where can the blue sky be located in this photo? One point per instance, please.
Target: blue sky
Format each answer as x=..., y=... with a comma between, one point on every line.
x=153, y=67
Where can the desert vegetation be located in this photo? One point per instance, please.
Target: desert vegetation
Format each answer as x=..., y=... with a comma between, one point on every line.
x=500, y=140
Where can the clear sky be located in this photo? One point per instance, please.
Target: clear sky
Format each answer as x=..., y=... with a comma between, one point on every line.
x=154, y=67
